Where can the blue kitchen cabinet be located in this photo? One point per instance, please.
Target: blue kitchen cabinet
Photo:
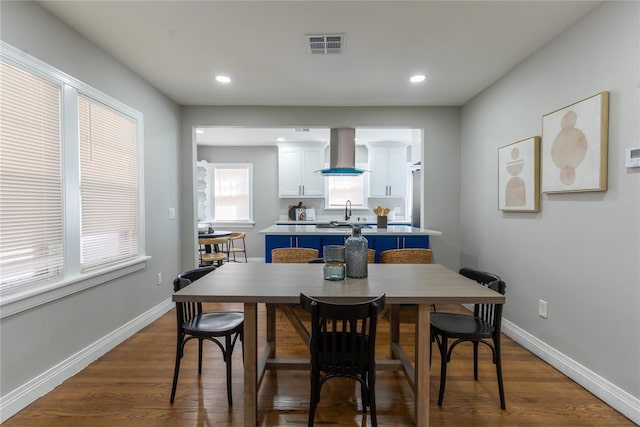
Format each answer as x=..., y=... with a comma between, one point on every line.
x=379, y=243
x=415, y=242
x=292, y=241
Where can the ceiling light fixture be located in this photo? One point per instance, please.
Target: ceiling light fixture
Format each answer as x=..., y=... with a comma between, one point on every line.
x=223, y=79
x=280, y=139
x=199, y=131
x=418, y=78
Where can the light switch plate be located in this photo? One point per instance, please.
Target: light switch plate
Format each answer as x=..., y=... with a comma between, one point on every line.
x=172, y=213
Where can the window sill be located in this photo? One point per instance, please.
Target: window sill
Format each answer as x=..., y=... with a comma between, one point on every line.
x=232, y=224
x=26, y=299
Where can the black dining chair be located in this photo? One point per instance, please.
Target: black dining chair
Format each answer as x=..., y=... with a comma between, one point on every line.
x=193, y=323
x=342, y=344
x=483, y=327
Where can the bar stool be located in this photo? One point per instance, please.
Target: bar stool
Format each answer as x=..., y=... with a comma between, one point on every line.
x=233, y=250
x=218, y=252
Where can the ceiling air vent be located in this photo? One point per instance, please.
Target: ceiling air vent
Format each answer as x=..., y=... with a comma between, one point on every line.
x=325, y=44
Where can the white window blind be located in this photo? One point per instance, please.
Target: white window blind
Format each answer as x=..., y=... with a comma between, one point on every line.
x=232, y=193
x=343, y=188
x=108, y=185
x=31, y=210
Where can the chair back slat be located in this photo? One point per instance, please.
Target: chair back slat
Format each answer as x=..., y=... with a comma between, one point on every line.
x=491, y=313
x=343, y=335
x=189, y=310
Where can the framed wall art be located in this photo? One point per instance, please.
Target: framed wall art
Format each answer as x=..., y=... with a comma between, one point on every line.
x=574, y=146
x=519, y=176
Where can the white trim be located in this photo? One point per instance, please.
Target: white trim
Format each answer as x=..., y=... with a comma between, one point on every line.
x=30, y=297
x=232, y=224
x=16, y=400
x=612, y=395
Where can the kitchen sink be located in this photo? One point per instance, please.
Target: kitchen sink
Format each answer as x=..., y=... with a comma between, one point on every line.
x=338, y=224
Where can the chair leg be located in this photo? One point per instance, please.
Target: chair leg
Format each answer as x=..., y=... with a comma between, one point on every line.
x=227, y=359
x=372, y=397
x=475, y=360
x=313, y=401
x=176, y=370
x=364, y=393
x=443, y=367
x=496, y=344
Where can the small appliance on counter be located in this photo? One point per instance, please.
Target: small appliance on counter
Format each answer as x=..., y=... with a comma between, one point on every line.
x=305, y=214
x=292, y=212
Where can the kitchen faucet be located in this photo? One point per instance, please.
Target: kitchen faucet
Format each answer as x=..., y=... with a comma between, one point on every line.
x=347, y=210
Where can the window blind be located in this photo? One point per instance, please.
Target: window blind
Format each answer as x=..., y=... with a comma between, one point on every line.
x=232, y=194
x=108, y=185
x=31, y=210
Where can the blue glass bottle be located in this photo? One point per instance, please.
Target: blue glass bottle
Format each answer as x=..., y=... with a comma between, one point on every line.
x=356, y=247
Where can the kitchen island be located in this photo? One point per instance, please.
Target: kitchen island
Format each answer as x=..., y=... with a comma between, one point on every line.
x=318, y=235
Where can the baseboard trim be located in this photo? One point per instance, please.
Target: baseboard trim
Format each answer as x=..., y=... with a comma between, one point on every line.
x=18, y=399
x=612, y=395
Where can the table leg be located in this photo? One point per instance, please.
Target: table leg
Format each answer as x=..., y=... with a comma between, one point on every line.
x=423, y=347
x=250, y=344
x=271, y=328
x=394, y=326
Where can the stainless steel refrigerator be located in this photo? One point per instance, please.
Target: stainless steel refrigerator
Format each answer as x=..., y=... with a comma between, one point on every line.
x=416, y=189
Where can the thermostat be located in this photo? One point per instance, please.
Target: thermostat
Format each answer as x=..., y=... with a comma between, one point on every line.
x=632, y=157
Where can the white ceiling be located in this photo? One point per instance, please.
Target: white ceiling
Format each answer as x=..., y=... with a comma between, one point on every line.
x=178, y=46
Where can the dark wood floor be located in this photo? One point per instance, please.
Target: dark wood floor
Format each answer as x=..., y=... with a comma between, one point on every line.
x=130, y=386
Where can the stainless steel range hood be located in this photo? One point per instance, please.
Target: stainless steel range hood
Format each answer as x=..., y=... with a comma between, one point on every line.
x=342, y=146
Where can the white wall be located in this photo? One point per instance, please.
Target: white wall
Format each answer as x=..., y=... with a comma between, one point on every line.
x=441, y=127
x=581, y=252
x=35, y=341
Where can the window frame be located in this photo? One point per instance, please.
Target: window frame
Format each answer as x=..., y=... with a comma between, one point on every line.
x=365, y=192
x=23, y=297
x=212, y=174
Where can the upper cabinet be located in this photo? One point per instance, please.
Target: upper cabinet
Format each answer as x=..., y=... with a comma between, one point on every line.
x=297, y=169
x=388, y=166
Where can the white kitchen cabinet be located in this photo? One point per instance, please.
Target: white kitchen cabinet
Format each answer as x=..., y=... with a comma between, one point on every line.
x=298, y=166
x=388, y=166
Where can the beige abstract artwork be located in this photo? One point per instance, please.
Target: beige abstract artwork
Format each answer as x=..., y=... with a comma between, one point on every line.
x=574, y=147
x=518, y=176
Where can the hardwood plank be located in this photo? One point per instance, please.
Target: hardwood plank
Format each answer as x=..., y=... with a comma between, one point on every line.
x=130, y=387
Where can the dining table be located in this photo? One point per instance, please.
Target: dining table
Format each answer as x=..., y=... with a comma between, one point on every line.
x=281, y=284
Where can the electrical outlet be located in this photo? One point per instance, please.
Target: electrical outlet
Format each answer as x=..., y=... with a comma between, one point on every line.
x=542, y=308
x=159, y=279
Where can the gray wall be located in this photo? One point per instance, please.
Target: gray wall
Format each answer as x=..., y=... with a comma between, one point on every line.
x=441, y=127
x=581, y=252
x=35, y=340
x=265, y=187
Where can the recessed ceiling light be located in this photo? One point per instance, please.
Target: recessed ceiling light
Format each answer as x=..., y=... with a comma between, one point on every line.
x=223, y=79
x=200, y=131
x=280, y=139
x=418, y=78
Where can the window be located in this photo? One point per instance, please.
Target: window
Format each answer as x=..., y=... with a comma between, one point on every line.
x=31, y=221
x=108, y=185
x=70, y=183
x=339, y=189
x=232, y=192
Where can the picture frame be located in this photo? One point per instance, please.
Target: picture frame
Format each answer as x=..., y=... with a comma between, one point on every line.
x=519, y=176
x=574, y=146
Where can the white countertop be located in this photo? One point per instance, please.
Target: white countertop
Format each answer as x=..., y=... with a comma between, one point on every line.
x=310, y=229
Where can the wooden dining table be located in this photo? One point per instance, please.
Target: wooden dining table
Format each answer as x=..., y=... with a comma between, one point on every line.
x=255, y=283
